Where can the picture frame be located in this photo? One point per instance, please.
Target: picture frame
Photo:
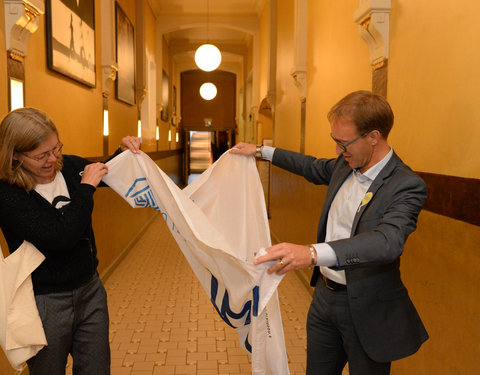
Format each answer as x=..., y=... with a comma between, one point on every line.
x=70, y=39
x=125, y=84
x=173, y=119
x=165, y=96
x=174, y=97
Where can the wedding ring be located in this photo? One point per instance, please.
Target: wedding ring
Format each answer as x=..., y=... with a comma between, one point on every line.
x=281, y=262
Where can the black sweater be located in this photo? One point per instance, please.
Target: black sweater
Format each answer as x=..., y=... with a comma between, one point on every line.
x=65, y=238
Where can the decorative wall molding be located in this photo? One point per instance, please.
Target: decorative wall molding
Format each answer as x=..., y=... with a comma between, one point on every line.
x=299, y=72
x=272, y=66
x=21, y=21
x=300, y=78
x=109, y=65
x=109, y=74
x=373, y=16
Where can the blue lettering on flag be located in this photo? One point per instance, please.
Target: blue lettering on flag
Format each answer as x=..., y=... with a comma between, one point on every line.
x=248, y=346
x=228, y=315
x=226, y=312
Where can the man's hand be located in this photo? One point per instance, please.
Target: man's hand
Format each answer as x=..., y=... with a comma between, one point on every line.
x=242, y=148
x=290, y=257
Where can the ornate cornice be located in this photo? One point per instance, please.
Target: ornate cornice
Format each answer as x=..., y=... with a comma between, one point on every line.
x=373, y=16
x=300, y=78
x=21, y=20
x=109, y=74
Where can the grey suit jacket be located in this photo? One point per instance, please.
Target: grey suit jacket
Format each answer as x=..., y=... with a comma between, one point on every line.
x=385, y=319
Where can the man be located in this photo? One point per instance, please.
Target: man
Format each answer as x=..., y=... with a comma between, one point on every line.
x=361, y=312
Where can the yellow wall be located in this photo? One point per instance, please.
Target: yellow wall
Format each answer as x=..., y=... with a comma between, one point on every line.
x=337, y=63
x=433, y=85
x=287, y=101
x=148, y=134
x=263, y=51
x=440, y=268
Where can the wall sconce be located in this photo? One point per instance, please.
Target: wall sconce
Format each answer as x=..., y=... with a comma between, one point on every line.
x=139, y=129
x=105, y=122
x=176, y=137
x=208, y=91
x=207, y=122
x=16, y=94
x=169, y=135
x=157, y=133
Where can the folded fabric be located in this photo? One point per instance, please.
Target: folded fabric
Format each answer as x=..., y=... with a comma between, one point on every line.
x=21, y=329
x=220, y=223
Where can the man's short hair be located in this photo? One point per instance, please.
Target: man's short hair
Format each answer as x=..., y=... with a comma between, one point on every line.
x=367, y=110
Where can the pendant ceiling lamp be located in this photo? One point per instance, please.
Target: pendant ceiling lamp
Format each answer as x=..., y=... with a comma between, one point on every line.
x=208, y=91
x=208, y=56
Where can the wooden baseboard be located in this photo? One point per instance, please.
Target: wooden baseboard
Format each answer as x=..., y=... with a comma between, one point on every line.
x=454, y=197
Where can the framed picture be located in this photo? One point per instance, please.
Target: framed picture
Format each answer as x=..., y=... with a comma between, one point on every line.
x=165, y=97
x=174, y=95
x=125, y=42
x=70, y=36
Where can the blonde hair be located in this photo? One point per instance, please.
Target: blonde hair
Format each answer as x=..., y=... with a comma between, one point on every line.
x=367, y=110
x=23, y=130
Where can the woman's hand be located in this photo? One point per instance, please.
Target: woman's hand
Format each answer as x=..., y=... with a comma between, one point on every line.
x=242, y=148
x=131, y=143
x=290, y=257
x=93, y=173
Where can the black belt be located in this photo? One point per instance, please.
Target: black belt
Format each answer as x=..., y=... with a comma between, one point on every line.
x=332, y=285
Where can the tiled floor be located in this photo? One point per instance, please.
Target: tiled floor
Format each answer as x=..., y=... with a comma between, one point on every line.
x=162, y=322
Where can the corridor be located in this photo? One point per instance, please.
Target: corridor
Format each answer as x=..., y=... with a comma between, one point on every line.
x=162, y=322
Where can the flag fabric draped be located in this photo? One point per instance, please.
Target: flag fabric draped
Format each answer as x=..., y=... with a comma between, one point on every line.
x=21, y=329
x=220, y=224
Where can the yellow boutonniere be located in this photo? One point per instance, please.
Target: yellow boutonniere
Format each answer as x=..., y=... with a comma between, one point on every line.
x=365, y=200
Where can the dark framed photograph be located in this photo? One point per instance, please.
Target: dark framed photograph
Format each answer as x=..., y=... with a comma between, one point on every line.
x=174, y=97
x=125, y=42
x=70, y=34
x=165, y=96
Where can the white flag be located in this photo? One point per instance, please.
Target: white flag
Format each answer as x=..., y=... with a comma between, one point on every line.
x=220, y=224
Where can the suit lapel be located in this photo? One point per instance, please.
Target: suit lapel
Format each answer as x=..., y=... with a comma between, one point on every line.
x=372, y=190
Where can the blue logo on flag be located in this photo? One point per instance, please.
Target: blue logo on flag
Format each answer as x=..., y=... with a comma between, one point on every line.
x=142, y=194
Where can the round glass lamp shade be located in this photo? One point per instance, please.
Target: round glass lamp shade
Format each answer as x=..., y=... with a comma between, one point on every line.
x=208, y=57
x=208, y=91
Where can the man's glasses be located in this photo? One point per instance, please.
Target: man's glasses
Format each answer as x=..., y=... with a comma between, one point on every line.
x=45, y=155
x=343, y=146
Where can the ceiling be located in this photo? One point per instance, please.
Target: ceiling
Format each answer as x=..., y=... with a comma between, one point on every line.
x=229, y=24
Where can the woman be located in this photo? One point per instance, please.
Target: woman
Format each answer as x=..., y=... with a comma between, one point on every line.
x=47, y=199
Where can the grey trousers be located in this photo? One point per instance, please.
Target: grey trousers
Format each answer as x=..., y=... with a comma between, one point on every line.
x=76, y=323
x=332, y=340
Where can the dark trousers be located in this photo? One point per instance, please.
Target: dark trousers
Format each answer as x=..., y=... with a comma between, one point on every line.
x=76, y=323
x=332, y=340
